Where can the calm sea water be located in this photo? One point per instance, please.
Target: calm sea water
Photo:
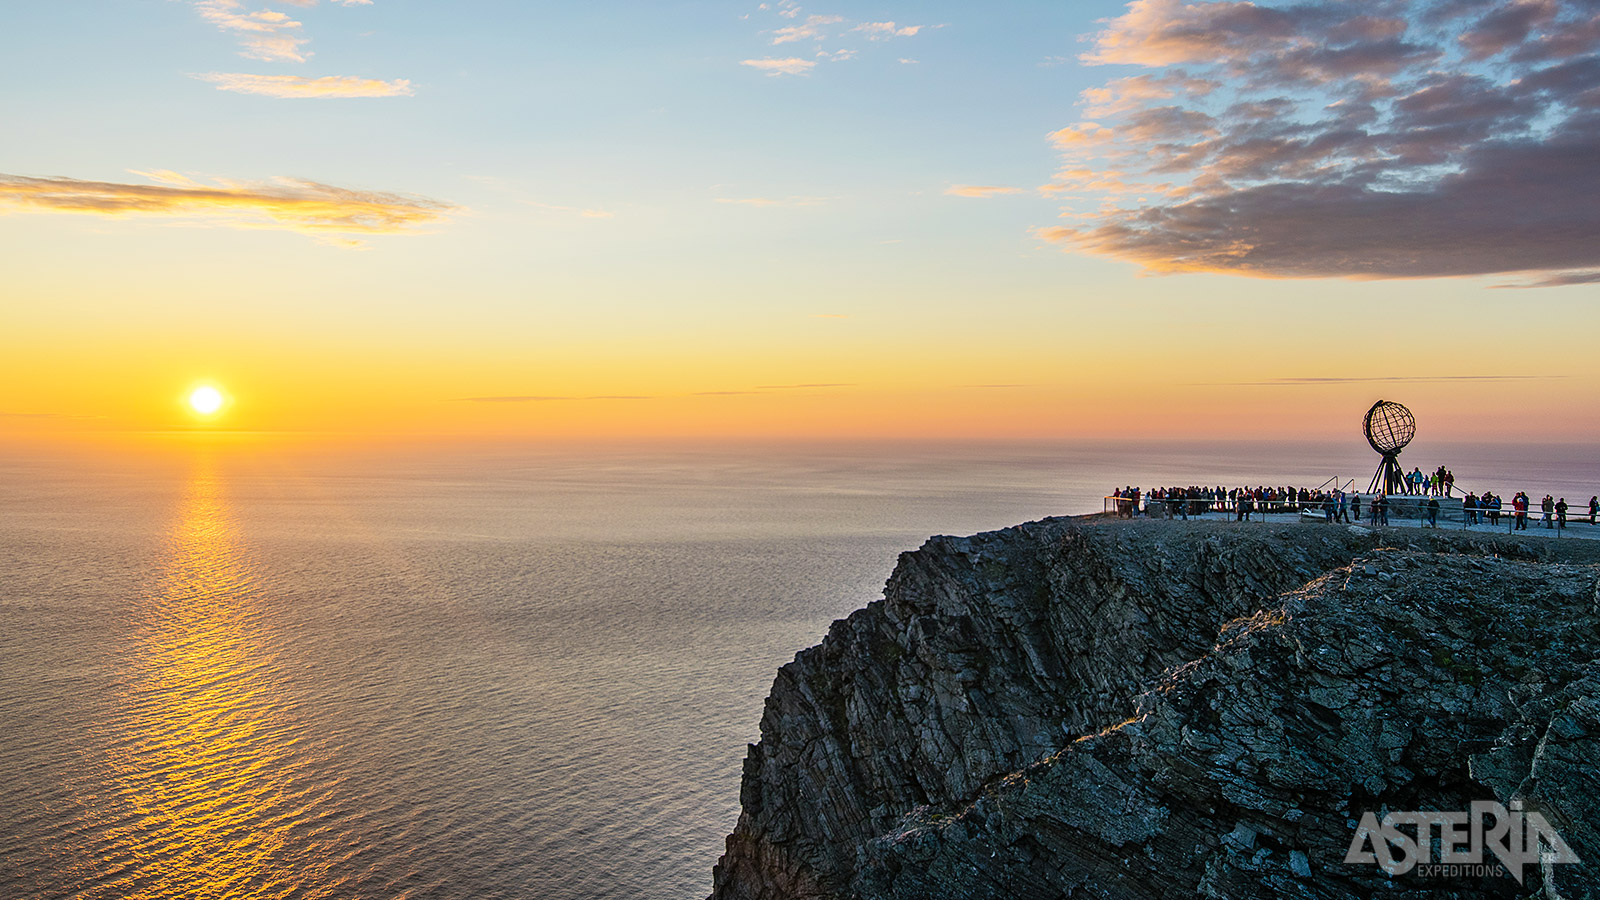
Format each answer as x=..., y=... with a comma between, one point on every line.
x=484, y=673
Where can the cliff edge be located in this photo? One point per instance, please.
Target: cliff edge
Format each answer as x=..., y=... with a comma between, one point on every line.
x=1099, y=708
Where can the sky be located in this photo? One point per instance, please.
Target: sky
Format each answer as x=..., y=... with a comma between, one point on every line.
x=925, y=220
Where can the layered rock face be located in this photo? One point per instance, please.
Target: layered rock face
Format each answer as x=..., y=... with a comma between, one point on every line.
x=1152, y=709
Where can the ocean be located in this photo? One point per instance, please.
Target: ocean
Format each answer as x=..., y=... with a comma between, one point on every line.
x=231, y=669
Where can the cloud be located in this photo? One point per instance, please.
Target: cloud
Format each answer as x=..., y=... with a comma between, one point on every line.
x=538, y=398
x=1408, y=138
x=287, y=203
x=1560, y=279
x=790, y=66
x=1402, y=379
x=882, y=31
x=298, y=87
x=980, y=190
x=790, y=387
x=267, y=34
x=811, y=28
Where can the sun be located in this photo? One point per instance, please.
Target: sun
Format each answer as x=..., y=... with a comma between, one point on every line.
x=205, y=400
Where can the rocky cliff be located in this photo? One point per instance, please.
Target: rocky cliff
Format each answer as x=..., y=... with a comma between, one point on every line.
x=1093, y=708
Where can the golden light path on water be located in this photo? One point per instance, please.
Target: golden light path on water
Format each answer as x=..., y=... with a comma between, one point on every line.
x=215, y=783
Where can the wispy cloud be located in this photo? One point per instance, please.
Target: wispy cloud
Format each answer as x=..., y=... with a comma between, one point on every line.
x=287, y=203
x=791, y=387
x=980, y=190
x=1409, y=138
x=541, y=398
x=882, y=31
x=820, y=28
x=811, y=28
x=1560, y=279
x=792, y=65
x=299, y=87
x=1398, y=379
x=266, y=34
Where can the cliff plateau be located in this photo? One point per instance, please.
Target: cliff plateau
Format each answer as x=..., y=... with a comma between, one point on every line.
x=1113, y=709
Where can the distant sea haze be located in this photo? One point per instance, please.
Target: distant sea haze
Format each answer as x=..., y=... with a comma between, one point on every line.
x=478, y=674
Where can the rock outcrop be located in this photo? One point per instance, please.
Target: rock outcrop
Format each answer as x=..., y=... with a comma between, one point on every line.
x=1083, y=707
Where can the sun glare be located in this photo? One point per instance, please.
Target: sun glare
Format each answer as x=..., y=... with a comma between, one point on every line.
x=205, y=400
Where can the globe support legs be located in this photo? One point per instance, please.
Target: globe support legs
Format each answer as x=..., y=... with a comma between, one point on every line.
x=1390, y=478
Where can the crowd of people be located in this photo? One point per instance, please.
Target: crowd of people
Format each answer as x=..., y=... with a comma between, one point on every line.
x=1244, y=503
x=1438, y=484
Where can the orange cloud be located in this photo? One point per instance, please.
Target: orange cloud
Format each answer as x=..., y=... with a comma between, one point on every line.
x=790, y=66
x=298, y=87
x=267, y=34
x=287, y=203
x=980, y=190
x=882, y=31
x=811, y=29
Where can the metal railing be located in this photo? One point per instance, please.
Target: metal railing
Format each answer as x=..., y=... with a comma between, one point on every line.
x=1409, y=510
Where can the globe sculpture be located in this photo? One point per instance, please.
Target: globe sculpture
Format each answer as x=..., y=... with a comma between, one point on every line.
x=1389, y=428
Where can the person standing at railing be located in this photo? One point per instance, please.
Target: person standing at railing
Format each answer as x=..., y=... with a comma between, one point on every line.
x=1433, y=512
x=1594, y=509
x=1449, y=482
x=1519, y=508
x=1547, y=506
x=1561, y=514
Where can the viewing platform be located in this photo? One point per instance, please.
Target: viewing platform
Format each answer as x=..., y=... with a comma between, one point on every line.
x=1405, y=511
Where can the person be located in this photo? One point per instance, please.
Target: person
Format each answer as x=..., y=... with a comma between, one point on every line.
x=1469, y=509
x=1594, y=509
x=1355, y=508
x=1519, y=508
x=1449, y=482
x=1342, y=503
x=1328, y=506
x=1561, y=514
x=1547, y=506
x=1383, y=509
x=1433, y=512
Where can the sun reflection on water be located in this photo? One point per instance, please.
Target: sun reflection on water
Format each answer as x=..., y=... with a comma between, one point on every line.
x=217, y=783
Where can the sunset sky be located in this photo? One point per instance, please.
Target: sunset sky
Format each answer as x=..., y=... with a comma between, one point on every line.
x=742, y=219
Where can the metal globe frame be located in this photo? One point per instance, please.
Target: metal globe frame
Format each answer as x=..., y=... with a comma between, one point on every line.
x=1389, y=427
